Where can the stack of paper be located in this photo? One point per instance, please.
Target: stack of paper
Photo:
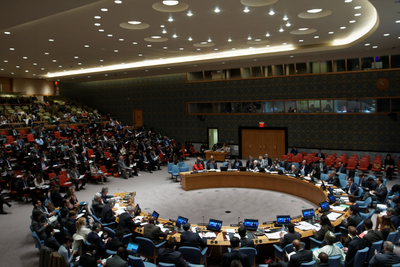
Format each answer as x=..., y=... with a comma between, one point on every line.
x=208, y=235
x=334, y=215
x=230, y=231
x=305, y=226
x=273, y=235
x=337, y=208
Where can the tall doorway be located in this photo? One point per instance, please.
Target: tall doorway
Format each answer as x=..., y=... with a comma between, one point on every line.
x=212, y=137
x=137, y=117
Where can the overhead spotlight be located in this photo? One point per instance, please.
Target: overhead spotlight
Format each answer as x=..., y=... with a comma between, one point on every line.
x=118, y=1
x=189, y=13
x=229, y=40
x=164, y=31
x=246, y=9
x=281, y=30
x=170, y=2
x=315, y=10
x=249, y=38
x=174, y=36
x=268, y=35
x=285, y=18
x=190, y=39
x=288, y=24
x=209, y=40
x=134, y=22
x=7, y=32
x=271, y=13
x=217, y=10
x=170, y=19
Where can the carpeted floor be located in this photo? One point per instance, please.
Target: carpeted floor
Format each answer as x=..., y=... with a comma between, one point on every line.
x=158, y=192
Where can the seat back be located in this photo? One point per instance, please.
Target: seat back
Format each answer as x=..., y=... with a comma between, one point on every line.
x=103, y=169
x=37, y=240
x=184, y=168
x=391, y=236
x=360, y=257
x=397, y=237
x=342, y=176
x=109, y=231
x=107, y=154
x=175, y=170
x=324, y=177
x=375, y=246
x=62, y=178
x=180, y=163
x=135, y=261
x=360, y=192
x=30, y=138
x=163, y=264
x=310, y=264
x=191, y=254
x=146, y=247
x=334, y=261
x=170, y=167
x=360, y=227
x=251, y=254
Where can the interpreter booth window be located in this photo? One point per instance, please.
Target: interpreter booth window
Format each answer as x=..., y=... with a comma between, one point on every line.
x=247, y=107
x=279, y=107
x=353, y=64
x=258, y=107
x=340, y=106
x=237, y=107
x=327, y=106
x=314, y=106
x=290, y=106
x=382, y=62
x=383, y=104
x=222, y=107
x=368, y=105
x=302, y=106
x=353, y=105
x=192, y=108
x=268, y=106
x=395, y=104
x=204, y=108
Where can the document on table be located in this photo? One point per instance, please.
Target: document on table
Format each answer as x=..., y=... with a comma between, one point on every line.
x=232, y=231
x=305, y=226
x=273, y=235
x=208, y=235
x=337, y=208
x=235, y=235
x=334, y=215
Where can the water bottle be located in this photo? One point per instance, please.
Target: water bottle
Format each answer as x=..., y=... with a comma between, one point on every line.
x=283, y=228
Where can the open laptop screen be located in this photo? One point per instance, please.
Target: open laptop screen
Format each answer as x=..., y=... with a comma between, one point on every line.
x=214, y=225
x=181, y=221
x=155, y=214
x=324, y=206
x=282, y=219
x=136, y=209
x=308, y=214
x=332, y=198
x=250, y=224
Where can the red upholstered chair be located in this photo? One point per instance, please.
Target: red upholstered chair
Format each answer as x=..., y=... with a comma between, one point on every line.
x=90, y=153
x=51, y=175
x=364, y=164
x=163, y=160
x=284, y=157
x=313, y=153
x=296, y=158
x=22, y=133
x=57, y=135
x=309, y=158
x=329, y=162
x=376, y=165
x=10, y=139
x=104, y=170
x=351, y=164
x=62, y=180
x=194, y=152
x=107, y=155
x=290, y=157
x=30, y=138
x=337, y=161
x=316, y=159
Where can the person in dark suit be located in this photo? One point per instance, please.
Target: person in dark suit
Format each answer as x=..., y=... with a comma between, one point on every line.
x=290, y=236
x=190, y=239
x=340, y=168
x=301, y=255
x=304, y=167
x=370, y=186
x=380, y=193
x=323, y=259
x=38, y=226
x=94, y=238
x=255, y=166
x=153, y=232
x=74, y=175
x=387, y=259
x=87, y=259
x=249, y=161
x=50, y=241
x=235, y=254
x=320, y=154
x=333, y=179
x=244, y=241
x=371, y=236
x=322, y=166
x=170, y=255
x=352, y=187
x=119, y=260
x=326, y=225
x=354, y=218
x=236, y=164
x=107, y=214
x=211, y=165
x=286, y=165
x=126, y=222
x=354, y=245
x=70, y=223
x=104, y=196
x=293, y=170
x=98, y=205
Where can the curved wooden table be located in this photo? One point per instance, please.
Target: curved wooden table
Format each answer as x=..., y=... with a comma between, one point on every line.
x=274, y=182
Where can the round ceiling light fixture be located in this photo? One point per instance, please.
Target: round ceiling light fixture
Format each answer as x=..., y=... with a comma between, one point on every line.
x=315, y=10
x=134, y=22
x=170, y=2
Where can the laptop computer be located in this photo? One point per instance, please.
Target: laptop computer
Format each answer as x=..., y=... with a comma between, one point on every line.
x=283, y=219
x=308, y=214
x=181, y=221
x=136, y=210
x=250, y=224
x=332, y=198
x=155, y=214
x=132, y=246
x=261, y=169
x=223, y=168
x=214, y=225
x=324, y=206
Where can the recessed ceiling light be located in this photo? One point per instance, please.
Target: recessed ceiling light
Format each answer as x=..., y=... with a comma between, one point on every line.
x=116, y=51
x=12, y=72
x=316, y=37
x=303, y=29
x=17, y=67
x=285, y=18
x=190, y=39
x=174, y=36
x=268, y=35
x=357, y=7
x=181, y=48
x=348, y=1
x=203, y=42
x=315, y=10
x=1, y=69
x=104, y=9
x=12, y=48
x=46, y=53
x=198, y=49
x=97, y=24
x=229, y=40
x=86, y=45
x=34, y=74
x=367, y=44
x=134, y=43
x=352, y=21
x=76, y=57
x=42, y=68
x=343, y=27
x=140, y=55
x=34, y=63
x=281, y=30
x=51, y=40
x=375, y=46
x=249, y=38
x=215, y=49
x=60, y=66
x=284, y=43
x=79, y=63
x=101, y=30
x=164, y=31
x=386, y=34
x=217, y=10
x=255, y=59
x=271, y=13
x=221, y=62
x=89, y=76
x=301, y=41
x=7, y=32
x=165, y=47
x=97, y=17
x=149, y=45
x=121, y=40
x=170, y=19
x=82, y=68
x=156, y=37
x=257, y=40
x=397, y=21
x=168, y=68
x=109, y=35
x=162, y=26
x=146, y=70
x=54, y=60
x=209, y=40
x=288, y=24
x=118, y=1
x=246, y=9
x=291, y=56
x=134, y=22
x=357, y=14
x=189, y=13
x=170, y=2
x=5, y=60
x=233, y=48
x=331, y=32
x=101, y=60
x=25, y=57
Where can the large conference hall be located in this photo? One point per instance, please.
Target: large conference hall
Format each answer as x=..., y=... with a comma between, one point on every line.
x=171, y=82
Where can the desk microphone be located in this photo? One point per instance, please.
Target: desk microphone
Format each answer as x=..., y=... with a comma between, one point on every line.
x=123, y=190
x=238, y=221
